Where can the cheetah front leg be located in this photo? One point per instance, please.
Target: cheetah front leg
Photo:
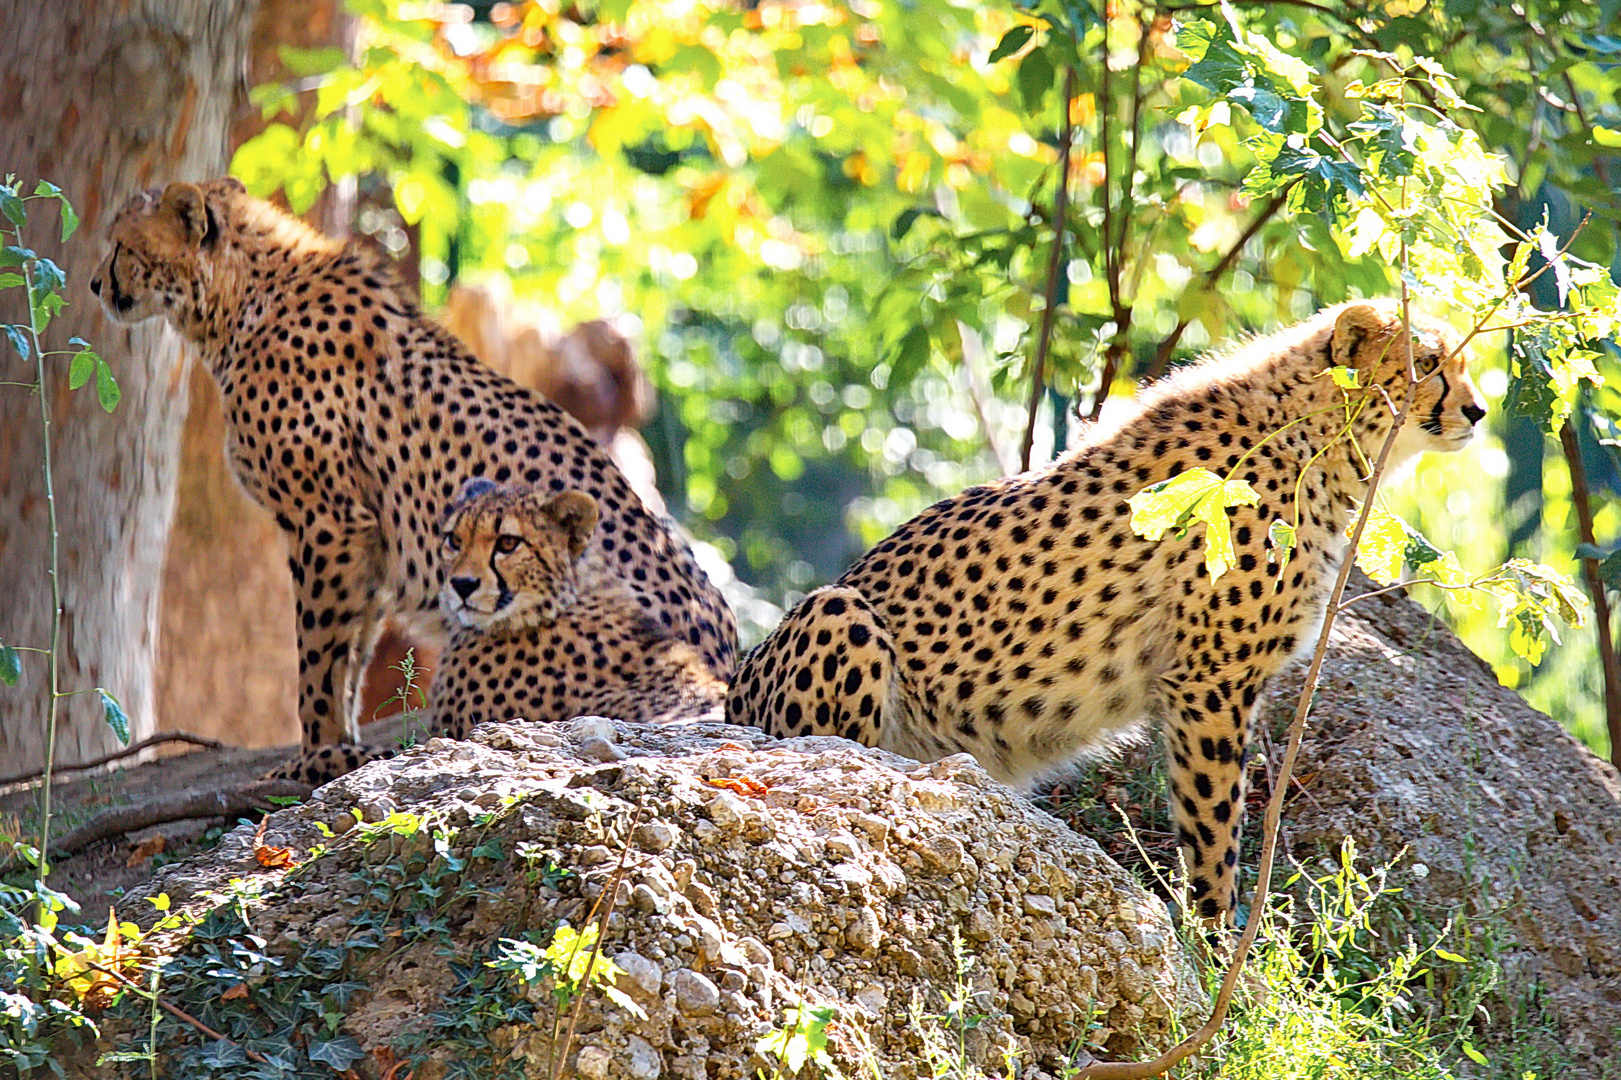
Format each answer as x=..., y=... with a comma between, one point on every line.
x=1207, y=720
x=335, y=569
x=828, y=669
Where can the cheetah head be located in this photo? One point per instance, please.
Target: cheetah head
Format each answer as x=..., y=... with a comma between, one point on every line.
x=511, y=554
x=1446, y=405
x=163, y=249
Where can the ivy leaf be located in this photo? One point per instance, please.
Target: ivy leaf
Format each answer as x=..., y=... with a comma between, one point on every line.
x=1609, y=571
x=339, y=1054
x=113, y=713
x=1531, y=392
x=1186, y=499
x=11, y=668
x=107, y=391
x=12, y=255
x=82, y=367
x=1012, y=42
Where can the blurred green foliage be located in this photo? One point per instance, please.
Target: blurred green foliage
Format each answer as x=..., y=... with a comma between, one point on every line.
x=832, y=221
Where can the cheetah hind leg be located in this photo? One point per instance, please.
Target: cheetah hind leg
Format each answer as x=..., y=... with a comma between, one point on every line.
x=316, y=765
x=829, y=669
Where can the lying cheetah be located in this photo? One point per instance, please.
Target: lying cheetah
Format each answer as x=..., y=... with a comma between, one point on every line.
x=354, y=418
x=540, y=632
x=1025, y=623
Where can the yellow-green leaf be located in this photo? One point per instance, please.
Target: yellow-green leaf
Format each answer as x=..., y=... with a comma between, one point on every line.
x=1197, y=495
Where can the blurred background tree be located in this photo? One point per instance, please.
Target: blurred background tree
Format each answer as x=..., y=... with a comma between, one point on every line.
x=833, y=223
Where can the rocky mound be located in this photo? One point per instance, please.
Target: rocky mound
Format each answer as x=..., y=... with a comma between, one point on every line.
x=934, y=911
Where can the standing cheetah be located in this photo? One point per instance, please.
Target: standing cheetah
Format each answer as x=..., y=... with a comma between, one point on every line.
x=1025, y=623
x=355, y=418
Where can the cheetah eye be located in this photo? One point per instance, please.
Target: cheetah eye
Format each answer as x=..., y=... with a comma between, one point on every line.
x=506, y=544
x=452, y=542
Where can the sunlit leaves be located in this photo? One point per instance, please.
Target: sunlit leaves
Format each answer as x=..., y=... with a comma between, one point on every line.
x=1189, y=498
x=1533, y=600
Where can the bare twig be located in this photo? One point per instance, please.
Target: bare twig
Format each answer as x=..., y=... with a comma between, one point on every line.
x=1055, y=273
x=600, y=910
x=1580, y=497
x=177, y=1012
x=1167, y=348
x=117, y=755
x=180, y=806
x=1139, y=1070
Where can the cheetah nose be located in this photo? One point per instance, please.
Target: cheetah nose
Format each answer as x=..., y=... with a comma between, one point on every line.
x=464, y=586
x=1473, y=413
x=95, y=285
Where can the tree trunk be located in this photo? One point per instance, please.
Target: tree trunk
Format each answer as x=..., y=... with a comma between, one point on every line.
x=103, y=97
x=228, y=661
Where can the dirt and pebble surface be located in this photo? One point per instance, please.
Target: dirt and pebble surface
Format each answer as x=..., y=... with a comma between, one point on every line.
x=758, y=877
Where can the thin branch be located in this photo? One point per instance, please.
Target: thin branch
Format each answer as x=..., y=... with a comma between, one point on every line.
x=1582, y=500
x=180, y=806
x=1167, y=348
x=118, y=755
x=177, y=1012
x=1055, y=273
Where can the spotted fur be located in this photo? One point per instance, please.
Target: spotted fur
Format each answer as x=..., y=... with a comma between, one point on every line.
x=355, y=419
x=1024, y=622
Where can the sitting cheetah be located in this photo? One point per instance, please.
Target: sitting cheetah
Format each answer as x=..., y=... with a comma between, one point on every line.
x=354, y=418
x=1025, y=623
x=540, y=632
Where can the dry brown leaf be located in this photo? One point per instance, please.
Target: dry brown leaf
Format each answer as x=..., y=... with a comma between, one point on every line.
x=271, y=858
x=742, y=785
x=144, y=851
x=235, y=993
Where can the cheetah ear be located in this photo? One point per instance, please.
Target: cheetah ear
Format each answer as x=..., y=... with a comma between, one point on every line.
x=1354, y=325
x=234, y=184
x=473, y=488
x=185, y=203
x=576, y=513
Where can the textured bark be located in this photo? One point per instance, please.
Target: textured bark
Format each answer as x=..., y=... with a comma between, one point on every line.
x=228, y=662
x=102, y=97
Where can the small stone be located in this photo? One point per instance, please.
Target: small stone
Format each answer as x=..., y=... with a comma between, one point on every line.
x=645, y=900
x=864, y=932
x=654, y=836
x=645, y=976
x=1038, y=904
x=592, y=1063
x=695, y=995
x=593, y=727
x=343, y=823
x=645, y=1062
x=596, y=749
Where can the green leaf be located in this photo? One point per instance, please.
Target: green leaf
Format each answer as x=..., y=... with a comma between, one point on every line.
x=82, y=367
x=1281, y=541
x=13, y=207
x=339, y=1054
x=1382, y=551
x=70, y=220
x=10, y=281
x=1188, y=498
x=1452, y=956
x=19, y=340
x=1012, y=42
x=11, y=668
x=1220, y=67
x=107, y=391
x=1345, y=378
x=12, y=255
x=1609, y=571
x=910, y=356
x=113, y=713
x=1472, y=1054
x=1036, y=77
